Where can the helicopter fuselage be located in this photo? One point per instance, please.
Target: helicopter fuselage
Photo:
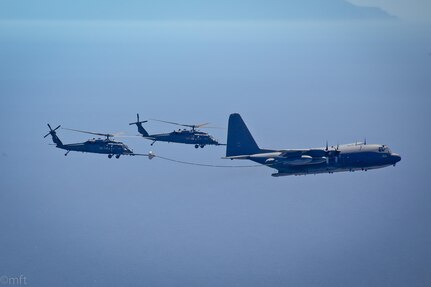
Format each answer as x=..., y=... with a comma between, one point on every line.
x=101, y=146
x=185, y=137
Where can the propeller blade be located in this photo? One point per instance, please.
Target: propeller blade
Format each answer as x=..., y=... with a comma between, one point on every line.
x=125, y=136
x=200, y=125
x=173, y=123
x=184, y=125
x=218, y=128
x=138, y=121
x=51, y=130
x=91, y=133
x=141, y=122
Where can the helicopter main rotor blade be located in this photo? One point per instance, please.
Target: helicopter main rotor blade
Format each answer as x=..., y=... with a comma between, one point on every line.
x=91, y=133
x=126, y=136
x=218, y=128
x=184, y=125
x=200, y=125
x=173, y=123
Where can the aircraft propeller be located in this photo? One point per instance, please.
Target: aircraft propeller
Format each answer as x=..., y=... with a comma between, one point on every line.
x=331, y=152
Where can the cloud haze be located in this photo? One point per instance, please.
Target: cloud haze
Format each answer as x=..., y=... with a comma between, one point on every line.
x=412, y=10
x=187, y=10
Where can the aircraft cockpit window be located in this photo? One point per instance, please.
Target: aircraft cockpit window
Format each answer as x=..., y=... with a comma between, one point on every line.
x=384, y=149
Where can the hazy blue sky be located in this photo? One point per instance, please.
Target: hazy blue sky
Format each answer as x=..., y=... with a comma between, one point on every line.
x=311, y=10
x=86, y=220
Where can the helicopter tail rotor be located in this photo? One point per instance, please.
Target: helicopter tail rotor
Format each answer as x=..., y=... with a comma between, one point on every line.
x=137, y=121
x=54, y=136
x=141, y=129
x=51, y=131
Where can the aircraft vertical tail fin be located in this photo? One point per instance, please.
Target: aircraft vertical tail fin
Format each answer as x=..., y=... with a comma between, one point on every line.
x=54, y=136
x=239, y=139
x=141, y=129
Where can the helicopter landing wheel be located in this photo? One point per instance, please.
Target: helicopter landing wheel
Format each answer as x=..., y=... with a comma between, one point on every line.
x=202, y=145
x=117, y=156
x=196, y=146
x=109, y=155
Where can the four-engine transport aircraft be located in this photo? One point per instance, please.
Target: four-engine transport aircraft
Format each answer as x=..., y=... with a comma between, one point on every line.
x=350, y=157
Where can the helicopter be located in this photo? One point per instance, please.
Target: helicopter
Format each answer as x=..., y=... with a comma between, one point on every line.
x=102, y=146
x=184, y=136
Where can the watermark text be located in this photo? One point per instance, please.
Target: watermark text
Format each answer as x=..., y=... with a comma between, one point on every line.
x=13, y=280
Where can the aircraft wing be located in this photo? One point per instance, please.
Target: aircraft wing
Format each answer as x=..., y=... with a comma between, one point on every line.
x=300, y=152
x=247, y=156
x=301, y=155
x=287, y=153
x=291, y=153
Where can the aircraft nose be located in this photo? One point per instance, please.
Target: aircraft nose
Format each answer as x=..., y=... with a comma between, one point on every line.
x=396, y=157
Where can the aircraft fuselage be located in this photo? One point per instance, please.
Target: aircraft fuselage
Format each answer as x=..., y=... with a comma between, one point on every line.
x=350, y=157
